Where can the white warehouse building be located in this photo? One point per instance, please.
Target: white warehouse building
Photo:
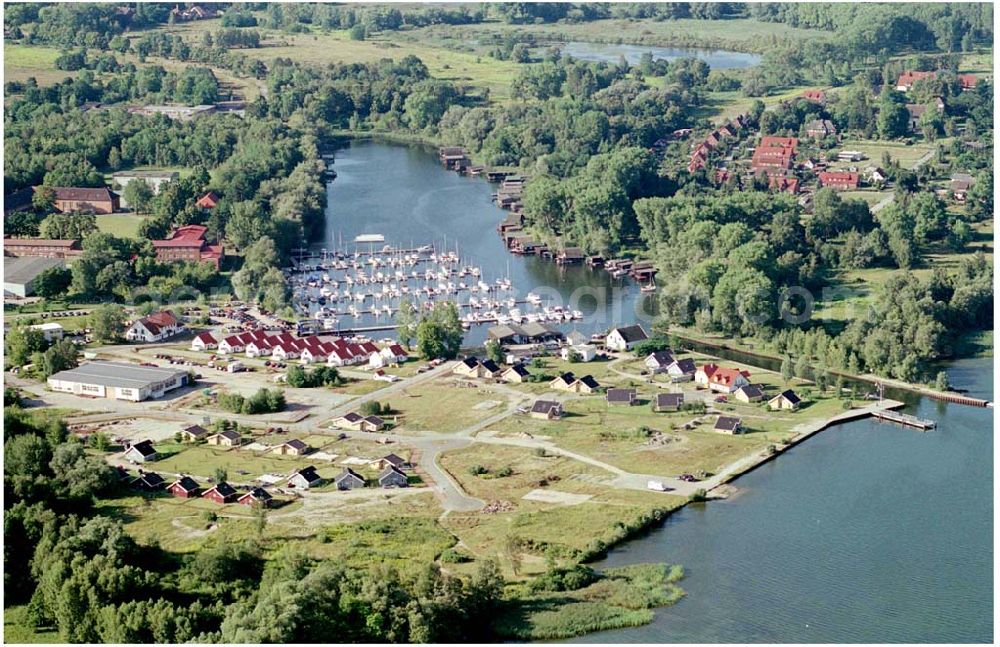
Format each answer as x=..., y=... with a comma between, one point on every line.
x=118, y=380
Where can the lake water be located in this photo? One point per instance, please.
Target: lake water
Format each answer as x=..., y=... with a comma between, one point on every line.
x=609, y=53
x=866, y=532
x=403, y=193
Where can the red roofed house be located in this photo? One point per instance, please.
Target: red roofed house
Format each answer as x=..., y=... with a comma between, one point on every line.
x=968, y=81
x=816, y=96
x=204, y=341
x=208, y=201
x=155, y=327
x=99, y=200
x=723, y=380
x=772, y=158
x=839, y=180
x=231, y=344
x=781, y=183
x=907, y=79
x=188, y=244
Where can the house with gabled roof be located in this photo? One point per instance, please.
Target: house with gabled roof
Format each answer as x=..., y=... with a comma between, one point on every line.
x=155, y=327
x=392, y=477
x=293, y=447
x=221, y=493
x=585, y=384
x=256, y=497
x=728, y=425
x=515, y=374
x=787, y=400
x=621, y=397
x=185, y=488
x=141, y=452
x=204, y=341
x=349, y=480
x=227, y=438
x=749, y=393
x=625, y=338
x=546, y=410
x=194, y=433
x=564, y=382
x=305, y=478
x=391, y=460
x=664, y=402
x=658, y=361
x=148, y=481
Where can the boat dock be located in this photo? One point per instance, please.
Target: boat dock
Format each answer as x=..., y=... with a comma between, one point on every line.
x=904, y=419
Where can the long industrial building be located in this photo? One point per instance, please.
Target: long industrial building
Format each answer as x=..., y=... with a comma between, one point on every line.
x=118, y=380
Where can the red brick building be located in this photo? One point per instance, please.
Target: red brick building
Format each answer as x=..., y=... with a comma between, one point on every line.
x=43, y=247
x=839, y=180
x=100, y=200
x=188, y=244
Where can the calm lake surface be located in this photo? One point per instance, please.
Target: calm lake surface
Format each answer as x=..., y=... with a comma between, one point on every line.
x=864, y=533
x=403, y=193
x=608, y=53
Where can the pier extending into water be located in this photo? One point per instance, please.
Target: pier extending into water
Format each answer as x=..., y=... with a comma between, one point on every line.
x=904, y=419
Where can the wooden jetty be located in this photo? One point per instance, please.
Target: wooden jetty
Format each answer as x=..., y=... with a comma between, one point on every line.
x=904, y=419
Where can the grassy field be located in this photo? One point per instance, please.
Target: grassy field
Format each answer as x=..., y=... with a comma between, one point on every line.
x=873, y=150
x=21, y=62
x=121, y=225
x=16, y=630
x=443, y=407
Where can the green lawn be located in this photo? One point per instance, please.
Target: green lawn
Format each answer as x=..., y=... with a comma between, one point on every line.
x=23, y=61
x=121, y=225
x=905, y=155
x=443, y=407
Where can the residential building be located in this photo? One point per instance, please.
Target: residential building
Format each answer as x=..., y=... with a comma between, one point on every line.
x=155, y=327
x=908, y=78
x=148, y=481
x=839, y=180
x=723, y=380
x=179, y=113
x=256, y=497
x=816, y=96
x=681, y=370
x=356, y=422
x=728, y=425
x=960, y=185
x=583, y=352
x=820, y=128
x=349, y=480
x=85, y=200
x=658, y=361
x=564, y=382
x=516, y=374
x=185, y=488
x=293, y=447
x=787, y=400
x=916, y=112
x=222, y=493
x=625, y=338
x=227, y=438
x=194, y=433
x=620, y=397
x=664, y=402
x=391, y=460
x=546, y=410
x=305, y=478
x=749, y=393
x=204, y=341
x=392, y=477
x=141, y=452
x=118, y=380
x=208, y=201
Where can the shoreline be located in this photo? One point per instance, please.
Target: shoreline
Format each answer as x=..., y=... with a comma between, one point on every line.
x=919, y=389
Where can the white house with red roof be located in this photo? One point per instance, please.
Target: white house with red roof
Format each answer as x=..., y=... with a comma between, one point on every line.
x=723, y=380
x=258, y=348
x=204, y=341
x=231, y=344
x=155, y=327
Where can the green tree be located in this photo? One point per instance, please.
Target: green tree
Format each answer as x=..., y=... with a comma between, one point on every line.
x=787, y=372
x=21, y=342
x=107, y=322
x=61, y=356
x=494, y=351
x=139, y=195
x=53, y=282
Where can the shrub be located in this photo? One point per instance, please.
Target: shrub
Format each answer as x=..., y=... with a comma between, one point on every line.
x=478, y=470
x=454, y=556
x=505, y=471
